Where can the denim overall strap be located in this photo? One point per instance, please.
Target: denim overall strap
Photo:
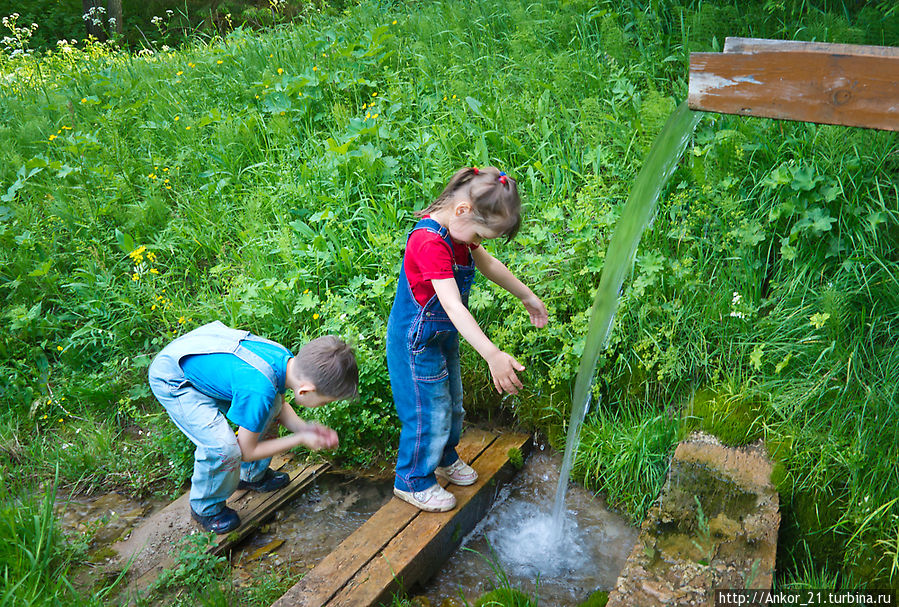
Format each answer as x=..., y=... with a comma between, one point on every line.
x=211, y=338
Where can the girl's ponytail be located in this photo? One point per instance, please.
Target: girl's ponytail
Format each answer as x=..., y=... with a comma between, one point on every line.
x=493, y=196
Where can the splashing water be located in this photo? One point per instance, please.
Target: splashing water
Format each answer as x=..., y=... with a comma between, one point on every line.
x=636, y=216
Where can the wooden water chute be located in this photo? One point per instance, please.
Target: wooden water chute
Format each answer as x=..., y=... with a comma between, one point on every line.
x=845, y=84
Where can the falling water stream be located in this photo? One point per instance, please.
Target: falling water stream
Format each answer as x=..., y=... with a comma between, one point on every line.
x=619, y=260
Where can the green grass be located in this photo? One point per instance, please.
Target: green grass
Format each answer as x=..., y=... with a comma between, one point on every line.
x=267, y=179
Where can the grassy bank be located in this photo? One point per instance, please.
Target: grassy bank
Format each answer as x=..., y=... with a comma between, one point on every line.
x=268, y=180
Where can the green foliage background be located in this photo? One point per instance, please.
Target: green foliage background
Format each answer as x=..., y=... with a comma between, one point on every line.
x=268, y=179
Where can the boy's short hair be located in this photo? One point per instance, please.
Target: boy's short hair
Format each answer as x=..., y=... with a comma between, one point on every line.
x=330, y=365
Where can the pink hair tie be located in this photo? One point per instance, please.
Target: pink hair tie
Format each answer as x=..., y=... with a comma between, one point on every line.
x=503, y=179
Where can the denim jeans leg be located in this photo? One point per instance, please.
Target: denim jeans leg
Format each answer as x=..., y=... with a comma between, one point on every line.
x=454, y=382
x=216, y=457
x=421, y=394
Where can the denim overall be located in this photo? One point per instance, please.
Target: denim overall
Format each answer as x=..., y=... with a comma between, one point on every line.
x=201, y=417
x=423, y=363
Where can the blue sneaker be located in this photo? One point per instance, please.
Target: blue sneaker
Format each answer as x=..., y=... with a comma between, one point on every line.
x=221, y=522
x=270, y=481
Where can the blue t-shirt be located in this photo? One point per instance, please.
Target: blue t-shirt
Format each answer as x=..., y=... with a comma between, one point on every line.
x=226, y=377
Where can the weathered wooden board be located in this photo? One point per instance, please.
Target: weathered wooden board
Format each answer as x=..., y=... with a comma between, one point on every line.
x=151, y=545
x=756, y=45
x=401, y=545
x=812, y=82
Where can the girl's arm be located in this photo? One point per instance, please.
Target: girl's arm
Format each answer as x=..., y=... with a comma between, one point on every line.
x=502, y=365
x=497, y=272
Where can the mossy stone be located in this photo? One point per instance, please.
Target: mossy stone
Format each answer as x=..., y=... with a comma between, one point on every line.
x=597, y=599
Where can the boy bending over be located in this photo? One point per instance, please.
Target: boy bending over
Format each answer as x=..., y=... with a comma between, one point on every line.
x=214, y=374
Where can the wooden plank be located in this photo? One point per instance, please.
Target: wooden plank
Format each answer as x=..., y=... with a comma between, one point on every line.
x=755, y=45
x=419, y=549
x=326, y=579
x=253, y=509
x=256, y=508
x=811, y=82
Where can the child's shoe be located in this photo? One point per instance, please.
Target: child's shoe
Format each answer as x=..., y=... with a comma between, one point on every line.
x=458, y=473
x=221, y=522
x=270, y=481
x=433, y=499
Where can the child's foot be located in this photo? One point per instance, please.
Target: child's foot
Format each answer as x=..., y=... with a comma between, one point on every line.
x=433, y=499
x=221, y=522
x=458, y=473
x=270, y=481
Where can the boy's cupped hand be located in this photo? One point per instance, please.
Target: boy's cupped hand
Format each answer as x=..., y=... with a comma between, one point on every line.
x=316, y=436
x=502, y=370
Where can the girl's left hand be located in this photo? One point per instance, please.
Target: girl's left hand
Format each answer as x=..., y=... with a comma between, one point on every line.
x=536, y=310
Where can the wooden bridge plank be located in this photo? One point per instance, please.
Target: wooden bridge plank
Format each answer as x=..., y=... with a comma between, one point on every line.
x=811, y=82
x=256, y=508
x=418, y=550
x=253, y=509
x=336, y=569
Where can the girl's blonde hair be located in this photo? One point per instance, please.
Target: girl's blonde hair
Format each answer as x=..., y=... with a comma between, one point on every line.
x=493, y=196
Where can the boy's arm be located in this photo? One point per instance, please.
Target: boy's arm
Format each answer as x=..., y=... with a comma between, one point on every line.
x=311, y=435
x=497, y=272
x=502, y=365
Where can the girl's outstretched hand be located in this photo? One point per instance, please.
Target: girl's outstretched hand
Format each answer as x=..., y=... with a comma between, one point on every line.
x=536, y=310
x=502, y=370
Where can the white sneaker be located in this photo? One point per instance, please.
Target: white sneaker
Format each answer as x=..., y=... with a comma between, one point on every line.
x=433, y=499
x=458, y=473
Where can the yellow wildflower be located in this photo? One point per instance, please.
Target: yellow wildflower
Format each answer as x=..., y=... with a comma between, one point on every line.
x=59, y=348
x=177, y=118
x=375, y=94
x=219, y=62
x=179, y=73
x=375, y=115
x=152, y=175
x=280, y=71
x=84, y=100
x=314, y=68
x=135, y=276
x=315, y=316
x=51, y=138
x=154, y=271
x=153, y=307
x=394, y=22
x=187, y=128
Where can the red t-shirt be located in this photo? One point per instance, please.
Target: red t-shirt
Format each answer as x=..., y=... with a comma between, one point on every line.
x=428, y=258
